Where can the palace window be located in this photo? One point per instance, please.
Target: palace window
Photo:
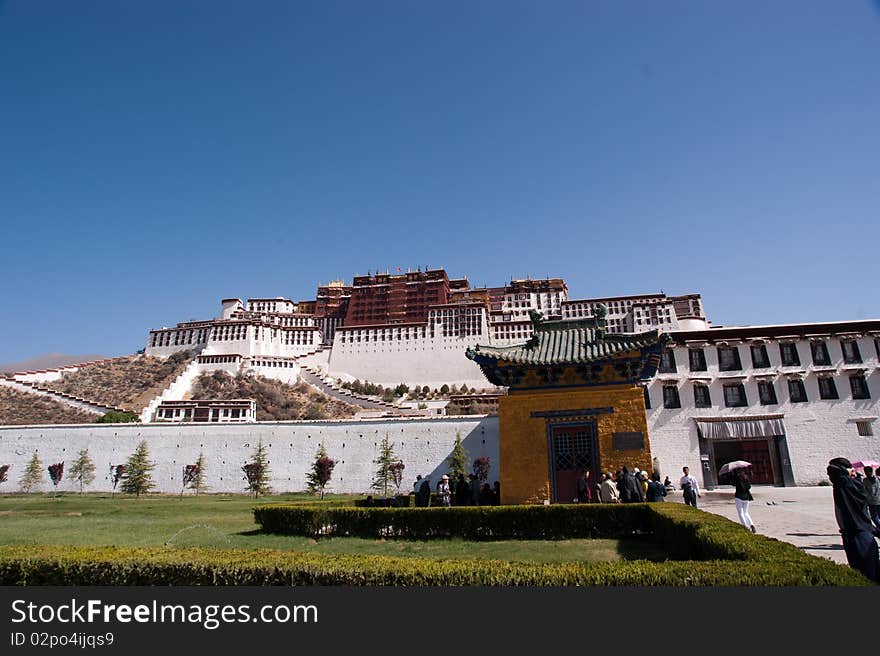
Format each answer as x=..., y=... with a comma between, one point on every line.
x=820, y=354
x=767, y=392
x=877, y=346
x=796, y=391
x=760, y=359
x=850, y=350
x=859, y=387
x=670, y=397
x=647, y=397
x=735, y=395
x=701, y=397
x=827, y=388
x=789, y=354
x=728, y=359
x=697, y=359
x=667, y=362
x=864, y=428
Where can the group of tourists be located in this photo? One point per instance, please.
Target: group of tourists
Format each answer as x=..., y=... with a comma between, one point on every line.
x=459, y=492
x=624, y=486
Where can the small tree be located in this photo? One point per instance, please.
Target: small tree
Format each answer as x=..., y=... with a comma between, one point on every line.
x=458, y=459
x=385, y=461
x=32, y=477
x=198, y=479
x=4, y=470
x=82, y=470
x=322, y=471
x=256, y=472
x=138, y=478
x=481, y=469
x=56, y=473
x=117, y=473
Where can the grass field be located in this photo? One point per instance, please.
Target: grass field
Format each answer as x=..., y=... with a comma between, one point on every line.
x=227, y=522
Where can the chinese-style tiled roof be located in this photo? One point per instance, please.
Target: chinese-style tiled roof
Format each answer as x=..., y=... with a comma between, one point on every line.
x=566, y=342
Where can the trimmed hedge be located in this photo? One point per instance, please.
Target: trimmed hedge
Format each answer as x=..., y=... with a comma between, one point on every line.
x=469, y=522
x=59, y=565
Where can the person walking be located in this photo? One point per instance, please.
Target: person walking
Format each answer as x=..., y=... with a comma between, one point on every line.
x=462, y=491
x=689, y=487
x=741, y=498
x=585, y=488
x=872, y=491
x=630, y=488
x=854, y=520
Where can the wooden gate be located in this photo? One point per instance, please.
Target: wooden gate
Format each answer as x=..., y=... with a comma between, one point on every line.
x=572, y=450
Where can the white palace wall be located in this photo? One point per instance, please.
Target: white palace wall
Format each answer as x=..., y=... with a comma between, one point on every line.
x=422, y=444
x=431, y=361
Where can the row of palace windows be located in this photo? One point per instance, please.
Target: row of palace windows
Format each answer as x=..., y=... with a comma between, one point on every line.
x=729, y=359
x=735, y=393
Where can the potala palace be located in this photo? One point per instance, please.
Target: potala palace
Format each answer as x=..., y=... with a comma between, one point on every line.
x=785, y=397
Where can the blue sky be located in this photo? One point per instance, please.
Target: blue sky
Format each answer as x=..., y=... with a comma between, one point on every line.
x=158, y=156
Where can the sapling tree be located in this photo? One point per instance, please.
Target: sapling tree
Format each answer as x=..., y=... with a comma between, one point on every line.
x=4, y=472
x=321, y=472
x=388, y=467
x=32, y=477
x=82, y=470
x=481, y=468
x=198, y=479
x=138, y=477
x=256, y=472
x=117, y=473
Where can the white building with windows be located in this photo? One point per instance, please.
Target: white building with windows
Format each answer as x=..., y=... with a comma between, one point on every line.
x=786, y=398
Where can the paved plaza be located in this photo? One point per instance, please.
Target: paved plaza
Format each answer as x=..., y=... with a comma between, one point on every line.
x=803, y=516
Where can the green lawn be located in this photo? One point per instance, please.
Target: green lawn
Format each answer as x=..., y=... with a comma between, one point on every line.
x=227, y=522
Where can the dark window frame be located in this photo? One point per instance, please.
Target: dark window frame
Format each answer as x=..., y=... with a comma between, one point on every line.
x=853, y=358
x=647, y=394
x=789, y=362
x=742, y=392
x=668, y=402
x=736, y=365
x=668, y=364
x=827, y=388
x=764, y=362
x=702, y=396
x=797, y=391
x=820, y=349
x=763, y=397
x=697, y=359
x=864, y=393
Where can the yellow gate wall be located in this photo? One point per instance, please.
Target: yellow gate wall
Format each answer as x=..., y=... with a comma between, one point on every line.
x=524, y=461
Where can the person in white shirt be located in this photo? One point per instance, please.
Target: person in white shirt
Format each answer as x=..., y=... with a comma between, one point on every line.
x=689, y=487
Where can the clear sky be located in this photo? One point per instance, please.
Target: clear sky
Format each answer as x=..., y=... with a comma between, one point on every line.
x=158, y=156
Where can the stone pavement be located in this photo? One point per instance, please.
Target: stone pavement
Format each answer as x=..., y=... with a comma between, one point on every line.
x=803, y=516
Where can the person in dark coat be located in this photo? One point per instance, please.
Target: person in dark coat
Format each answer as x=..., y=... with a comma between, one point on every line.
x=854, y=519
x=474, y=490
x=462, y=491
x=656, y=489
x=630, y=488
x=496, y=489
x=585, y=488
x=423, y=495
x=741, y=498
x=487, y=498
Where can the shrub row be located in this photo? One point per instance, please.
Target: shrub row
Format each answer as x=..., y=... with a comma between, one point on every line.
x=58, y=565
x=468, y=522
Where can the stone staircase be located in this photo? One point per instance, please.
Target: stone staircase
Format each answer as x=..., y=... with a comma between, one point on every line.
x=68, y=399
x=314, y=377
x=175, y=391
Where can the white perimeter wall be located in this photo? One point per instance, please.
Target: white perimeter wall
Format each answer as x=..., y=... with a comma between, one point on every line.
x=422, y=444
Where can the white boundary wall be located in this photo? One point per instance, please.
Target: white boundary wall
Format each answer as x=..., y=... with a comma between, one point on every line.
x=422, y=444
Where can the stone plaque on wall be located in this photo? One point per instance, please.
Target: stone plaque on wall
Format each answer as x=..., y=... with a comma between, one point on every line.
x=628, y=441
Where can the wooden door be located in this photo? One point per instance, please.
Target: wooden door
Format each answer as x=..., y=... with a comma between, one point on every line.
x=573, y=450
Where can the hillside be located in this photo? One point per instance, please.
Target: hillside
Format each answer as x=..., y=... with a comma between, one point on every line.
x=129, y=382
x=19, y=408
x=276, y=401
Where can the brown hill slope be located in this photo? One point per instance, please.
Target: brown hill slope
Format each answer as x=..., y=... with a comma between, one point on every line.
x=19, y=408
x=276, y=401
x=129, y=382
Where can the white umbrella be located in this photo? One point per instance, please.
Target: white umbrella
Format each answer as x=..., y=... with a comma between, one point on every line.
x=733, y=466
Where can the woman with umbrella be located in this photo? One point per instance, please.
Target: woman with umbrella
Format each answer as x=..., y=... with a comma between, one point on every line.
x=743, y=494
